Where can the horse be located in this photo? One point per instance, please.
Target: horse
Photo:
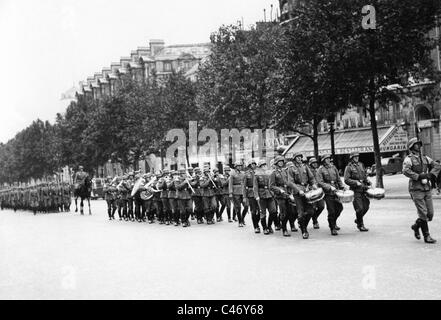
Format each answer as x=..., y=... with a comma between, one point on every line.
x=83, y=191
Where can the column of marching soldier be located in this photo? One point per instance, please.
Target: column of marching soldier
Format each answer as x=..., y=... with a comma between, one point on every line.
x=42, y=197
x=275, y=196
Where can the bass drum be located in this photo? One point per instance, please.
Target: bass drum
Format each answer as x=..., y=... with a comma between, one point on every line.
x=345, y=196
x=377, y=193
x=314, y=195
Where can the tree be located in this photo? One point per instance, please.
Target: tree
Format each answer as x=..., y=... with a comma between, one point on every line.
x=233, y=84
x=397, y=48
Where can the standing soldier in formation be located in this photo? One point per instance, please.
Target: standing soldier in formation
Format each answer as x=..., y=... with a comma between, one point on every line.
x=172, y=197
x=319, y=206
x=235, y=190
x=356, y=179
x=184, y=197
x=248, y=195
x=263, y=196
x=208, y=186
x=420, y=169
x=222, y=197
x=329, y=180
x=123, y=190
x=162, y=186
x=303, y=180
x=197, y=195
x=110, y=196
x=157, y=202
x=292, y=208
x=279, y=186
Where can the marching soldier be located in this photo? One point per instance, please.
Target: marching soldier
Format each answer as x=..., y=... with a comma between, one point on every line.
x=248, y=195
x=356, y=179
x=319, y=206
x=162, y=186
x=33, y=199
x=291, y=209
x=157, y=202
x=184, y=198
x=264, y=197
x=235, y=190
x=208, y=197
x=302, y=180
x=420, y=169
x=172, y=198
x=279, y=186
x=223, y=199
x=110, y=195
x=123, y=191
x=197, y=195
x=329, y=180
x=130, y=201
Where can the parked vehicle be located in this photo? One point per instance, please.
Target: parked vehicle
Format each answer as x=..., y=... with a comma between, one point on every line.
x=97, y=188
x=392, y=165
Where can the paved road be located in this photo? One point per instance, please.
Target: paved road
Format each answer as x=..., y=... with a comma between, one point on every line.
x=68, y=256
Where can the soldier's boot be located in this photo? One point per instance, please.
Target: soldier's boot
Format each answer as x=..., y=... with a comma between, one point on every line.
x=264, y=226
x=360, y=225
x=426, y=234
x=305, y=233
x=416, y=229
x=109, y=212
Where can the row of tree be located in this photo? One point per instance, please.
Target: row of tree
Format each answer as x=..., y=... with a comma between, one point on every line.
x=273, y=75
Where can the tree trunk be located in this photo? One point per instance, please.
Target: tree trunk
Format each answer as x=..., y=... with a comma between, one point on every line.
x=315, y=124
x=377, y=153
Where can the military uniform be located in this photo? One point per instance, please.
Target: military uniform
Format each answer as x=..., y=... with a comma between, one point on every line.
x=264, y=197
x=222, y=196
x=420, y=169
x=235, y=190
x=356, y=179
x=248, y=196
x=291, y=208
x=208, y=196
x=110, y=195
x=319, y=206
x=172, y=198
x=162, y=186
x=279, y=187
x=184, y=198
x=303, y=180
x=329, y=180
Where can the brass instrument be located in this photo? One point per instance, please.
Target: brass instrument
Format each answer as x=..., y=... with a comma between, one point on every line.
x=214, y=184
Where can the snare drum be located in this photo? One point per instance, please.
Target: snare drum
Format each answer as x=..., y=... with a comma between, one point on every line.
x=314, y=195
x=345, y=196
x=377, y=193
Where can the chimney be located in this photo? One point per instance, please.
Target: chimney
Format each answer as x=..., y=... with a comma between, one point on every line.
x=156, y=45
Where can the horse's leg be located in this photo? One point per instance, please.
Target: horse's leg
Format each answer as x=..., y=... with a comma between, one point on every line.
x=88, y=202
x=76, y=206
x=81, y=206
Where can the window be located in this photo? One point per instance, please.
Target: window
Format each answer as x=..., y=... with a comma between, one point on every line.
x=167, y=66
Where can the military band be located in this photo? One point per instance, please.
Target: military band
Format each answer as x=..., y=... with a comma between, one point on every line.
x=275, y=195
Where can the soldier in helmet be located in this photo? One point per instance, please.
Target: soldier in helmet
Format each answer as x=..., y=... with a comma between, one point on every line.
x=303, y=180
x=224, y=201
x=420, y=169
x=248, y=195
x=110, y=197
x=209, y=197
x=291, y=209
x=329, y=180
x=279, y=186
x=162, y=186
x=172, y=197
x=263, y=196
x=130, y=183
x=184, y=197
x=235, y=190
x=319, y=206
x=197, y=195
x=356, y=179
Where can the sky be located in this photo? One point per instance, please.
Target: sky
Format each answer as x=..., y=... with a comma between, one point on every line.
x=47, y=46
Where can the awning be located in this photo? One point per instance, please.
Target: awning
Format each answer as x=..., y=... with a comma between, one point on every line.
x=391, y=138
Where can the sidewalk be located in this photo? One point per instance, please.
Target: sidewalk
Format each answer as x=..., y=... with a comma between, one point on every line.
x=397, y=187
